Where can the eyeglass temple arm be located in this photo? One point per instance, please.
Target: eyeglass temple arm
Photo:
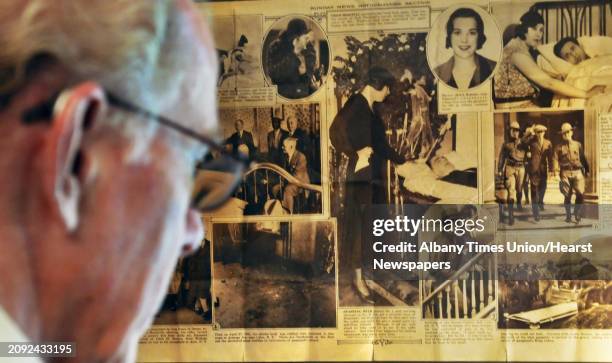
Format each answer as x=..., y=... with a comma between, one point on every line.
x=214, y=145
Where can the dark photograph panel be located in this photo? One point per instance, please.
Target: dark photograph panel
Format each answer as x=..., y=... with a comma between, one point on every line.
x=188, y=300
x=545, y=170
x=275, y=274
x=557, y=290
x=389, y=146
x=283, y=144
x=296, y=56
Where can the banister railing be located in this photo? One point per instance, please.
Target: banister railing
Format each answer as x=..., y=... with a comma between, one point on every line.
x=467, y=293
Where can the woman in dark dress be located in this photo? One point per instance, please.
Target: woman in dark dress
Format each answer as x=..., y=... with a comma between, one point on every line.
x=359, y=133
x=292, y=60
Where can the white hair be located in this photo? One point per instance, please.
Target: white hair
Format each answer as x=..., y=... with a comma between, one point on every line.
x=138, y=50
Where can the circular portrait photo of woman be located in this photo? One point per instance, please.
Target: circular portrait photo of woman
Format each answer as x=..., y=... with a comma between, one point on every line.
x=295, y=56
x=464, y=46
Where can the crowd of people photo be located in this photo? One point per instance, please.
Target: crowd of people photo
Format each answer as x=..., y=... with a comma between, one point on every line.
x=285, y=176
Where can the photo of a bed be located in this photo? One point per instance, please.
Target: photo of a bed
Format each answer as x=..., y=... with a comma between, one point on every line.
x=556, y=54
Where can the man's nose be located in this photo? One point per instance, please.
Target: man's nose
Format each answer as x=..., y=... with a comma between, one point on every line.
x=194, y=231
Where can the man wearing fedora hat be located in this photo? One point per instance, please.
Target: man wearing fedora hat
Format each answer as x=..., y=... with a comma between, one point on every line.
x=569, y=160
x=539, y=163
x=511, y=166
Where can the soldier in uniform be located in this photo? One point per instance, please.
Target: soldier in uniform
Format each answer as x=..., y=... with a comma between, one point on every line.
x=511, y=166
x=569, y=160
x=539, y=163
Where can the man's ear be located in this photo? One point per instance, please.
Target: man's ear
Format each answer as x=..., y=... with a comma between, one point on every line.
x=75, y=111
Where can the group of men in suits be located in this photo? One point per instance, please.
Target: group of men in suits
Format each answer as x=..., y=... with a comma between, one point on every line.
x=286, y=148
x=277, y=136
x=534, y=156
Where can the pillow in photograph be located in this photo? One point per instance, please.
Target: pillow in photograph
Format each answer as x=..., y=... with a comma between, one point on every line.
x=547, y=67
x=596, y=45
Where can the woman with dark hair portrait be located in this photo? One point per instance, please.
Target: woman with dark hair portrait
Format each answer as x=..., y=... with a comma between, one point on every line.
x=465, y=35
x=518, y=80
x=292, y=61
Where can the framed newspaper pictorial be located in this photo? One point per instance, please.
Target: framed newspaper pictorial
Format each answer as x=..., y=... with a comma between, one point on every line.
x=427, y=181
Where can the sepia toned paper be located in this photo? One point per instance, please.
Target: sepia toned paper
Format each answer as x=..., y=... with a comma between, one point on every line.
x=277, y=277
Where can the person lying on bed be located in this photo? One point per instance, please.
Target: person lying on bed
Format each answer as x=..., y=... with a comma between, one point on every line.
x=576, y=50
x=519, y=80
x=570, y=50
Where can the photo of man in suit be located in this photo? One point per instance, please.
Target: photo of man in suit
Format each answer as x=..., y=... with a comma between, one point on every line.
x=276, y=137
x=539, y=164
x=299, y=134
x=260, y=132
x=241, y=137
x=295, y=163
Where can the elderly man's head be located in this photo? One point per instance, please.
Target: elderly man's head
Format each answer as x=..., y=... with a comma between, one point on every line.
x=94, y=198
x=292, y=123
x=570, y=50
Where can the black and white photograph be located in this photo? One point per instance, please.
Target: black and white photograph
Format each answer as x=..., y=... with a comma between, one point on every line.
x=273, y=274
x=557, y=290
x=189, y=298
x=295, y=56
x=389, y=146
x=468, y=289
x=556, y=54
x=464, y=46
x=545, y=170
x=238, y=42
x=283, y=144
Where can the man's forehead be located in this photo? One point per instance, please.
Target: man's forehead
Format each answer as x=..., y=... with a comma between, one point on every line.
x=568, y=46
x=195, y=105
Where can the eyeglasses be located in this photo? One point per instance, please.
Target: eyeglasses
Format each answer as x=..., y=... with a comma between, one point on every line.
x=217, y=174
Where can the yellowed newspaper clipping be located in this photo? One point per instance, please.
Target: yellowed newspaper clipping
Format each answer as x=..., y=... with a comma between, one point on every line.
x=429, y=181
